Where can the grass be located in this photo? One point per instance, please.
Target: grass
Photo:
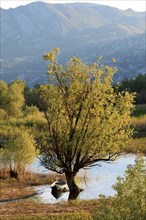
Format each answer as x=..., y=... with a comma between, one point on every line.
x=33, y=210
x=27, y=179
x=65, y=216
x=137, y=144
x=139, y=124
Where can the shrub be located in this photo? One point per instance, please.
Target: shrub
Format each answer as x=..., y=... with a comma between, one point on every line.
x=129, y=201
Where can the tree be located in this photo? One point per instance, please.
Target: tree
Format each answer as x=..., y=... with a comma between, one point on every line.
x=137, y=85
x=12, y=97
x=16, y=97
x=17, y=148
x=129, y=201
x=87, y=121
x=32, y=96
x=3, y=97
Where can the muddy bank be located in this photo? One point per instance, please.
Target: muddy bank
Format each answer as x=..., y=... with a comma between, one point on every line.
x=18, y=198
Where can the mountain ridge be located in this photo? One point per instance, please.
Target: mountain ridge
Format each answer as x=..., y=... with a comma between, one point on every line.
x=27, y=32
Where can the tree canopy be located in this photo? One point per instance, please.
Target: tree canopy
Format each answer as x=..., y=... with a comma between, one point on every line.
x=138, y=85
x=12, y=97
x=18, y=148
x=87, y=121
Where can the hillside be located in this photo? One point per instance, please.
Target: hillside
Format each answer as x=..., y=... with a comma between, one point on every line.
x=80, y=29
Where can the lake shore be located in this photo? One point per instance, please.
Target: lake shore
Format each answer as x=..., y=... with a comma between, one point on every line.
x=29, y=184
x=29, y=209
x=12, y=188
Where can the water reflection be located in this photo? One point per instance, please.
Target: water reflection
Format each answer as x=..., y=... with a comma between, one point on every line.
x=56, y=194
x=45, y=195
x=71, y=195
x=99, y=181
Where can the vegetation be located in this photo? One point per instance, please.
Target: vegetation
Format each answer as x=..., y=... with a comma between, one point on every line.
x=137, y=85
x=21, y=118
x=10, y=193
x=87, y=121
x=32, y=96
x=136, y=145
x=18, y=148
x=128, y=203
x=12, y=98
x=17, y=125
x=75, y=120
x=139, y=110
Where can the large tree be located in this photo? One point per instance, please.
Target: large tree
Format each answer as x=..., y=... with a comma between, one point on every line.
x=87, y=121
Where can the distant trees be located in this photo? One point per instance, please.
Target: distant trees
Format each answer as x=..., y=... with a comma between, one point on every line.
x=12, y=98
x=87, y=121
x=137, y=85
x=31, y=96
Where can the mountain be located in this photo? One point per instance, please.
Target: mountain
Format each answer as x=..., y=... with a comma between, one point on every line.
x=78, y=29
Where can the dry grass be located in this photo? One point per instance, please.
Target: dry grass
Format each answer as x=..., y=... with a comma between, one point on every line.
x=27, y=179
x=139, y=123
x=33, y=210
x=137, y=146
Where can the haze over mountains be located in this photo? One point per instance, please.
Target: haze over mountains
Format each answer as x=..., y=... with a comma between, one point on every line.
x=78, y=29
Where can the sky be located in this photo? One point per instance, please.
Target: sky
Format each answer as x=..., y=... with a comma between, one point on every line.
x=136, y=5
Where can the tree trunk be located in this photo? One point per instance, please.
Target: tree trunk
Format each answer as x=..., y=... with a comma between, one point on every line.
x=71, y=182
x=73, y=195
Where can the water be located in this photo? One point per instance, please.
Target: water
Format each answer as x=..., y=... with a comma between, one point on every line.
x=99, y=180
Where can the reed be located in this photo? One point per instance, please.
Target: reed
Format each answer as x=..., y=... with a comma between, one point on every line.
x=27, y=179
x=139, y=123
x=136, y=146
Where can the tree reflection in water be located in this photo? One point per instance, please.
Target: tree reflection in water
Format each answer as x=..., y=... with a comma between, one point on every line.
x=58, y=193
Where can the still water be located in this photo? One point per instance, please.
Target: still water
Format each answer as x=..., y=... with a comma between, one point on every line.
x=98, y=180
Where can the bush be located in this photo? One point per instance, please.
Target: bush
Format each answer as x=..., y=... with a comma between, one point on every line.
x=17, y=148
x=129, y=202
